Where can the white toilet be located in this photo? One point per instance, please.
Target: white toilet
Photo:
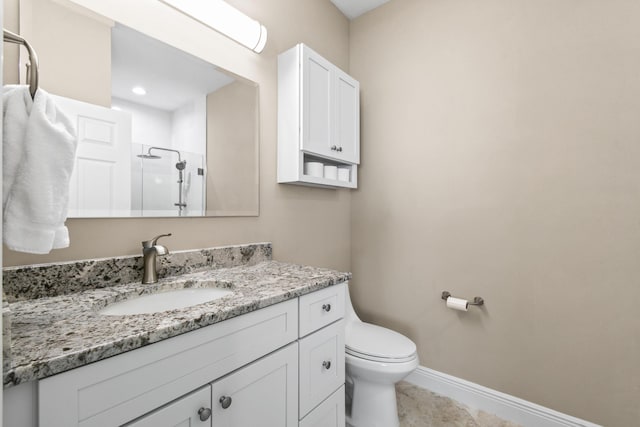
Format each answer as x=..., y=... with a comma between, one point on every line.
x=376, y=359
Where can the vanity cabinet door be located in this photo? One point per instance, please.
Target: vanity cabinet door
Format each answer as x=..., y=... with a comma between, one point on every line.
x=192, y=410
x=264, y=393
x=330, y=413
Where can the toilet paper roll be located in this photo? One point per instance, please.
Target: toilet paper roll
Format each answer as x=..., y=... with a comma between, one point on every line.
x=344, y=173
x=314, y=169
x=330, y=172
x=457, y=303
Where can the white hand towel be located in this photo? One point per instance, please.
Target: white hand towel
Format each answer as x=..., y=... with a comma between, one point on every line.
x=16, y=106
x=37, y=203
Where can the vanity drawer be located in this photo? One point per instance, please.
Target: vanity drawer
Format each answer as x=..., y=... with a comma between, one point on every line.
x=320, y=308
x=321, y=366
x=329, y=413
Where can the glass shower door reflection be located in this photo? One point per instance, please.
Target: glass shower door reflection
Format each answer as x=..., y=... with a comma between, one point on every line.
x=168, y=182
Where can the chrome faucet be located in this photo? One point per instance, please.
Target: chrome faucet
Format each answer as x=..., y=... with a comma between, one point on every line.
x=150, y=250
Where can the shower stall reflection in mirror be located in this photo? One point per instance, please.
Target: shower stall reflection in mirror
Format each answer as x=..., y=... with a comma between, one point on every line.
x=166, y=182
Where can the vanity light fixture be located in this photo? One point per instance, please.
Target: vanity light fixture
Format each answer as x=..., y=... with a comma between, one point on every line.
x=226, y=20
x=139, y=90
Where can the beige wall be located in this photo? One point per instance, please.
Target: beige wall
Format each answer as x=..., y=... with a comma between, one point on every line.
x=67, y=44
x=306, y=225
x=501, y=158
x=232, y=172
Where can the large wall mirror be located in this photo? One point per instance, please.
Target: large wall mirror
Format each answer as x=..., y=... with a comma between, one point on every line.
x=161, y=133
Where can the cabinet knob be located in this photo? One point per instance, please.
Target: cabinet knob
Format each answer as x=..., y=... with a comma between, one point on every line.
x=326, y=364
x=339, y=149
x=225, y=401
x=334, y=148
x=326, y=307
x=204, y=413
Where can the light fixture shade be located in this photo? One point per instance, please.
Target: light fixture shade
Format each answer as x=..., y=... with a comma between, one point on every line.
x=226, y=20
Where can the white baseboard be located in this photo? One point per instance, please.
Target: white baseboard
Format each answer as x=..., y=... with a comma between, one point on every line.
x=500, y=404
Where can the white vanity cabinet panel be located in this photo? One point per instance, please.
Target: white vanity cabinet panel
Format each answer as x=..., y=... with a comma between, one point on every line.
x=330, y=413
x=121, y=388
x=320, y=308
x=322, y=365
x=184, y=412
x=264, y=393
x=318, y=118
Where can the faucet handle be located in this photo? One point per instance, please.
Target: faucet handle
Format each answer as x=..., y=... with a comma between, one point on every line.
x=152, y=242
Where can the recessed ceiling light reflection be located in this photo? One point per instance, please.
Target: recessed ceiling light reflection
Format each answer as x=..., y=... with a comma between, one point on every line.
x=139, y=90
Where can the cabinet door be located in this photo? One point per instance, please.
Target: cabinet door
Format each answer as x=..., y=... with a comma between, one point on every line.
x=317, y=89
x=184, y=412
x=346, y=118
x=264, y=393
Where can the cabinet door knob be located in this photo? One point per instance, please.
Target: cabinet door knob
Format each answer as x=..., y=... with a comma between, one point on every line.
x=334, y=148
x=225, y=401
x=340, y=149
x=326, y=307
x=326, y=364
x=204, y=413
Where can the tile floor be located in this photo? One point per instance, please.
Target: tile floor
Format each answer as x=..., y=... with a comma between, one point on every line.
x=421, y=408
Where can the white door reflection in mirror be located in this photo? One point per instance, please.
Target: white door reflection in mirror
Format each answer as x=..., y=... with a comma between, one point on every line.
x=101, y=181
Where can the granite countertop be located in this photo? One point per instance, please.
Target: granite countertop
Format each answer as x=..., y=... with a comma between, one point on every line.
x=53, y=334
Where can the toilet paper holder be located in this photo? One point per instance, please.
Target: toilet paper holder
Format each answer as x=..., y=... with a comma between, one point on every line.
x=475, y=301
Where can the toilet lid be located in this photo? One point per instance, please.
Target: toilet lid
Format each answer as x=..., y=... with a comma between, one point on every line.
x=365, y=339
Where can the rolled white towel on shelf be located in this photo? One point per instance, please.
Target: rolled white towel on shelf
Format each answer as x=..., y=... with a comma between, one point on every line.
x=36, y=205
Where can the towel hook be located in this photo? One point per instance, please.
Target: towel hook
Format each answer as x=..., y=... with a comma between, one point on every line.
x=32, y=66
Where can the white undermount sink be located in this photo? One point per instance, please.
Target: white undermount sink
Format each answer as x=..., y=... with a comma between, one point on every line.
x=169, y=300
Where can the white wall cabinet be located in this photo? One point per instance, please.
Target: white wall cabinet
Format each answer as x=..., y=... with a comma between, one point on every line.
x=282, y=366
x=318, y=118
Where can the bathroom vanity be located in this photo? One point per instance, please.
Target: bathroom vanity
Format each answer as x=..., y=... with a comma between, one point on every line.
x=271, y=353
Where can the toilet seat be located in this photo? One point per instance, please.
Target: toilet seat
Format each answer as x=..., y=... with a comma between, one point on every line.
x=378, y=344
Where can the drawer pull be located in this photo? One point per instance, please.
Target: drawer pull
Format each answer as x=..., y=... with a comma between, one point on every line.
x=204, y=413
x=326, y=364
x=225, y=401
x=326, y=307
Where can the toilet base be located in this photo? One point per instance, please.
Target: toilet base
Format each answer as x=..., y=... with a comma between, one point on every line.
x=373, y=405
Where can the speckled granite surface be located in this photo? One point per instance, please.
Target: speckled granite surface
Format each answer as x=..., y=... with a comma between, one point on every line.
x=54, y=334
x=47, y=280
